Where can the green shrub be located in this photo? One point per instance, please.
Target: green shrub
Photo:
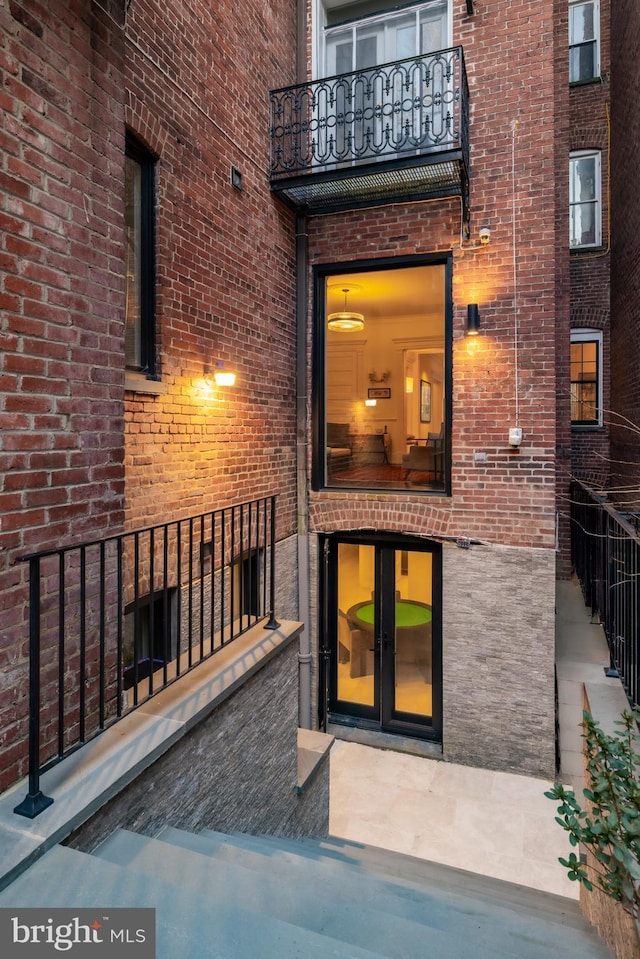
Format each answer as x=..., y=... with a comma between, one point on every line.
x=609, y=825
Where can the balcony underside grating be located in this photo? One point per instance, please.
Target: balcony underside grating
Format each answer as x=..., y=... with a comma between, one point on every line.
x=349, y=189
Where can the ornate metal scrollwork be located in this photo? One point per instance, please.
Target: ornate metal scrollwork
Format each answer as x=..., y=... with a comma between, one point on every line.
x=407, y=107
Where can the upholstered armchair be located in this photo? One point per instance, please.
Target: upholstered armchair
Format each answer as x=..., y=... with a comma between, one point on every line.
x=425, y=459
x=339, y=443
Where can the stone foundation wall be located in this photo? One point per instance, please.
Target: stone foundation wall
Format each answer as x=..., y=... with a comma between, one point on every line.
x=236, y=771
x=498, y=658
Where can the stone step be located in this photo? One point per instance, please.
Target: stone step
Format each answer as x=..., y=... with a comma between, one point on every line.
x=487, y=914
x=393, y=866
x=189, y=925
x=343, y=907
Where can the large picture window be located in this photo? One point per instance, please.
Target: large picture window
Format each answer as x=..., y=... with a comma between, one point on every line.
x=382, y=333
x=586, y=378
x=585, y=204
x=140, y=349
x=584, y=37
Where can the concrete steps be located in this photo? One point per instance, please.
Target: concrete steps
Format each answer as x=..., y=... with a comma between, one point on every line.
x=236, y=896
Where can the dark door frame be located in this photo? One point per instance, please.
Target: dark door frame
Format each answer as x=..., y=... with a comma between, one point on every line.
x=380, y=715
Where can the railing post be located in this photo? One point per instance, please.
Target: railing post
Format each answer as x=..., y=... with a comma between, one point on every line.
x=35, y=800
x=273, y=623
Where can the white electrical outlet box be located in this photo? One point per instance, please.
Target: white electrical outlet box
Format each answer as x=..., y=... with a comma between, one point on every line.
x=515, y=436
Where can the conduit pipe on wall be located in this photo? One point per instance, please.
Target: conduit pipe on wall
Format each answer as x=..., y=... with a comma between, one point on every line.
x=304, y=608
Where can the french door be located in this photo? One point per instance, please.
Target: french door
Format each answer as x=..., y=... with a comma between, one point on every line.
x=367, y=120
x=383, y=655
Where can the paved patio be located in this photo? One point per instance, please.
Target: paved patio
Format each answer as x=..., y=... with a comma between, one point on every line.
x=496, y=824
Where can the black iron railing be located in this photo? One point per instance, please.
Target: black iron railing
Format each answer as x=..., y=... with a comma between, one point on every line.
x=393, y=133
x=114, y=621
x=606, y=556
x=390, y=111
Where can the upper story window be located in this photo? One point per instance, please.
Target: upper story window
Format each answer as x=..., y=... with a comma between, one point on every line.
x=584, y=40
x=585, y=199
x=140, y=347
x=363, y=35
x=382, y=375
x=586, y=378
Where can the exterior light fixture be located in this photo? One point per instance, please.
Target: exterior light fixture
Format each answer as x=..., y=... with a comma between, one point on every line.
x=473, y=319
x=347, y=321
x=223, y=377
x=370, y=402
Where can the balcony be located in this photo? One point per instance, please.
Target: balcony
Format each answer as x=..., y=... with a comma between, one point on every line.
x=387, y=134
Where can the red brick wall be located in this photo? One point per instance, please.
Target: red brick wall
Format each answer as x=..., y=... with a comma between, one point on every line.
x=625, y=243
x=510, y=499
x=61, y=286
x=562, y=285
x=198, y=96
x=590, y=270
x=80, y=457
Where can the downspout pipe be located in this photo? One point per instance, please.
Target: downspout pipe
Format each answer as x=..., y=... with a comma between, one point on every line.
x=304, y=605
x=302, y=379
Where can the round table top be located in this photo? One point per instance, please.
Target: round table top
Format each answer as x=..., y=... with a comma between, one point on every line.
x=408, y=613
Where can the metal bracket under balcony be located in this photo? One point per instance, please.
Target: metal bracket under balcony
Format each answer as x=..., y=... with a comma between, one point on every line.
x=387, y=134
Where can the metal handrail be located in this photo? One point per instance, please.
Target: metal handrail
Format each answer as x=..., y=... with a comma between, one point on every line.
x=605, y=549
x=417, y=105
x=114, y=621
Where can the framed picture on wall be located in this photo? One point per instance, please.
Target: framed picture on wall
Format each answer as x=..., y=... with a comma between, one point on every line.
x=425, y=401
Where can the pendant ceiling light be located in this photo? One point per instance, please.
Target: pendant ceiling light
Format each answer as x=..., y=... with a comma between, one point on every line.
x=347, y=321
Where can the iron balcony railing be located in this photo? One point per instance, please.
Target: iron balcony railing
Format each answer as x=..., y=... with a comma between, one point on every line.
x=114, y=621
x=606, y=556
x=412, y=116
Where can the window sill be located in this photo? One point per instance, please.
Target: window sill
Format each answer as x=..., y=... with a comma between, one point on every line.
x=600, y=248
x=139, y=383
x=586, y=83
x=587, y=428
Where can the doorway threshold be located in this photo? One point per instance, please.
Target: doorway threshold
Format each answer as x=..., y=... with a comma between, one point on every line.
x=390, y=741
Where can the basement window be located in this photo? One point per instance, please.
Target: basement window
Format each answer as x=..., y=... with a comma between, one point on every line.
x=150, y=631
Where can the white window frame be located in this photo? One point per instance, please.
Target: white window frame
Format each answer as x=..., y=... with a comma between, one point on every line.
x=319, y=23
x=595, y=201
x=573, y=4
x=586, y=335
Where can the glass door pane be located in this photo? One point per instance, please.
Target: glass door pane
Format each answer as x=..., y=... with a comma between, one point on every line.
x=413, y=653
x=356, y=666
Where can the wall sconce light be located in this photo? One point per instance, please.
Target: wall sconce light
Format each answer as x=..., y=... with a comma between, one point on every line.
x=408, y=384
x=473, y=319
x=223, y=377
x=370, y=402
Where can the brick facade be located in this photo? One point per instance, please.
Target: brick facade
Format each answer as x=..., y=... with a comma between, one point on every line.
x=80, y=456
x=590, y=129
x=625, y=278
x=88, y=450
x=509, y=498
x=62, y=399
x=197, y=95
